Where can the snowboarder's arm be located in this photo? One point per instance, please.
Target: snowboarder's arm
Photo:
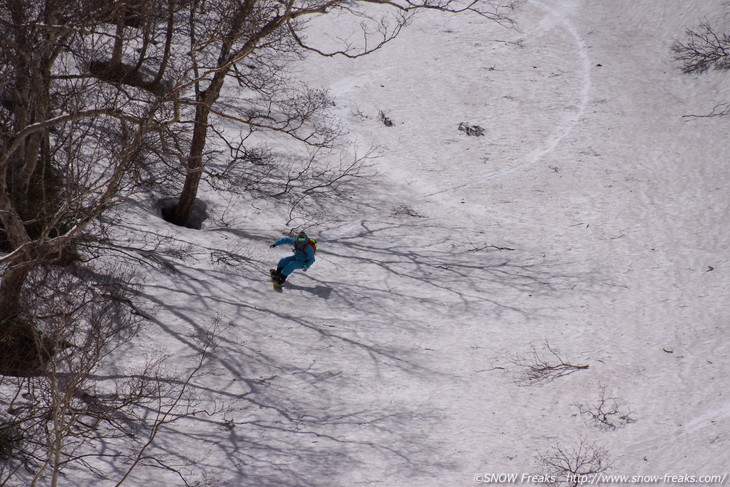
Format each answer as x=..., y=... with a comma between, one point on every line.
x=285, y=240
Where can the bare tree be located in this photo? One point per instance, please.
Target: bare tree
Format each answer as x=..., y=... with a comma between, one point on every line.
x=64, y=413
x=607, y=413
x=71, y=146
x=704, y=49
x=250, y=42
x=78, y=128
x=544, y=366
x=574, y=466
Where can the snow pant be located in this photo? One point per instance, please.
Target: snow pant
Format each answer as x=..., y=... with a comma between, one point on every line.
x=289, y=265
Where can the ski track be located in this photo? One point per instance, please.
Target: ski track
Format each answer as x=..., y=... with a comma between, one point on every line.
x=548, y=145
x=561, y=131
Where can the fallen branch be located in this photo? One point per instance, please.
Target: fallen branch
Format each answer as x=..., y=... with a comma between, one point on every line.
x=608, y=413
x=720, y=110
x=475, y=248
x=545, y=369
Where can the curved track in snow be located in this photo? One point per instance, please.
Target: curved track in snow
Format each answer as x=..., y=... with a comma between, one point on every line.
x=562, y=130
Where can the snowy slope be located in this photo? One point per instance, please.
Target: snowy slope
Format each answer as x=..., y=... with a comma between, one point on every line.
x=591, y=216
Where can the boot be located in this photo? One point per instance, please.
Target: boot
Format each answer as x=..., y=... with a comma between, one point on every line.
x=280, y=278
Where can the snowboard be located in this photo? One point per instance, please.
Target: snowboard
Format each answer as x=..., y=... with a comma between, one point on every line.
x=274, y=282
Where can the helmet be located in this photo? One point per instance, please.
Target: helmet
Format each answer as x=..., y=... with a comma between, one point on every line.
x=302, y=237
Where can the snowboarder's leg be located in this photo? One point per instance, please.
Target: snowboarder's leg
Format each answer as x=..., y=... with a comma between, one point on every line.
x=286, y=266
x=283, y=263
x=291, y=266
x=278, y=273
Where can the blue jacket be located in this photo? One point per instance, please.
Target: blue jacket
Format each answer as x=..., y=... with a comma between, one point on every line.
x=302, y=253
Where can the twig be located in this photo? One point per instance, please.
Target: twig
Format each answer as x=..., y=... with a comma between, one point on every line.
x=541, y=369
x=720, y=110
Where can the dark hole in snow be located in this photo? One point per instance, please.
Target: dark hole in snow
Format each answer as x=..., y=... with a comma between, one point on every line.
x=197, y=216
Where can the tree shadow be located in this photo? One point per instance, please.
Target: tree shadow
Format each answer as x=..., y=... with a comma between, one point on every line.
x=284, y=402
x=265, y=418
x=443, y=276
x=296, y=392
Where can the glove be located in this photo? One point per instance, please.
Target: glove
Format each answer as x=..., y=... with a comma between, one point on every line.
x=272, y=246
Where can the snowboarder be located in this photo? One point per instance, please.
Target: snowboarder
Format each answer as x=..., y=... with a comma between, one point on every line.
x=303, y=258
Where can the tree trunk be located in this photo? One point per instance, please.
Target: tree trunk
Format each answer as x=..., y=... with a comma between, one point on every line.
x=195, y=158
x=194, y=166
x=10, y=286
x=17, y=268
x=207, y=98
x=31, y=87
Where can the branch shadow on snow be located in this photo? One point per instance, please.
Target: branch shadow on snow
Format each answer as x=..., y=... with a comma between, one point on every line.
x=287, y=401
x=294, y=386
x=282, y=420
x=445, y=277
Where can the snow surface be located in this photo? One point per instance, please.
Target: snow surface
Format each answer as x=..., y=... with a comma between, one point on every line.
x=592, y=215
